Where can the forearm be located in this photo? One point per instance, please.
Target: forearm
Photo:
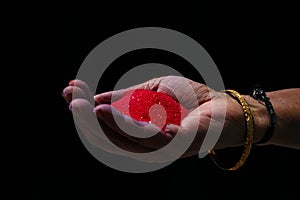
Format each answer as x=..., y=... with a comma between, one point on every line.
x=286, y=104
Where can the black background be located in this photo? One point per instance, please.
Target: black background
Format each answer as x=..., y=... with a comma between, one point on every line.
x=46, y=43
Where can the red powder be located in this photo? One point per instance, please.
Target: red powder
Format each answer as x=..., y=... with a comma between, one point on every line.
x=150, y=106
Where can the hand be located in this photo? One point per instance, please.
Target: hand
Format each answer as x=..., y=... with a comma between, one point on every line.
x=199, y=119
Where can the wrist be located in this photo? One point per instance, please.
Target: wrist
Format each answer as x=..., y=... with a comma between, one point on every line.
x=260, y=116
x=249, y=129
x=235, y=135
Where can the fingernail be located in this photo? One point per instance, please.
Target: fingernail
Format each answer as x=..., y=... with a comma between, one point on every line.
x=71, y=83
x=65, y=91
x=99, y=113
x=96, y=97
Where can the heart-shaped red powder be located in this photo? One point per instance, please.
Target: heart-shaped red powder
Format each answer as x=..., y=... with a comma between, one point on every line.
x=149, y=106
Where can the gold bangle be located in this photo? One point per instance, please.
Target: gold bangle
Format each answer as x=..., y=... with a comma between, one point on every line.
x=249, y=136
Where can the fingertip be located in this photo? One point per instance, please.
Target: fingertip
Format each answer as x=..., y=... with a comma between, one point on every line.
x=103, y=98
x=70, y=106
x=67, y=96
x=97, y=97
x=67, y=90
x=98, y=112
x=71, y=82
x=64, y=94
x=171, y=129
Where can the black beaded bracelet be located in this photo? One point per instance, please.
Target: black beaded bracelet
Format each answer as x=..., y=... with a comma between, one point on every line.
x=259, y=94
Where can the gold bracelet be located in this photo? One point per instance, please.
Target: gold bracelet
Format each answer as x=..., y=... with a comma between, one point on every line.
x=249, y=136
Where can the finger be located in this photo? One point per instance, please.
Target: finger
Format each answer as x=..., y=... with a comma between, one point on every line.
x=87, y=122
x=194, y=146
x=143, y=133
x=111, y=96
x=193, y=125
x=106, y=97
x=123, y=142
x=81, y=84
x=83, y=118
x=84, y=87
x=69, y=91
x=67, y=97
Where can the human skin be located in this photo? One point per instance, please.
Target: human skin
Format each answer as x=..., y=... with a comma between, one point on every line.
x=286, y=104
